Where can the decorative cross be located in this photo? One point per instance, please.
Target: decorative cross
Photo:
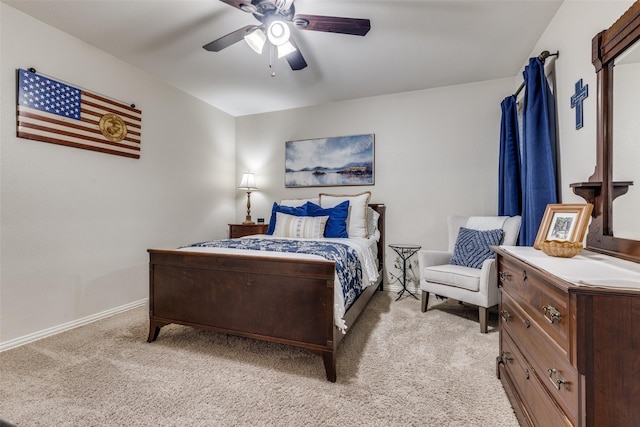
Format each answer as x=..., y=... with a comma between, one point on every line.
x=582, y=92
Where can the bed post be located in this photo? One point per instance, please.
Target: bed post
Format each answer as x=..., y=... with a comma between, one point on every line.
x=381, y=209
x=329, y=359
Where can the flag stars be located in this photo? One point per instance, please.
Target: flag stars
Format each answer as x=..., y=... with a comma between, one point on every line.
x=49, y=95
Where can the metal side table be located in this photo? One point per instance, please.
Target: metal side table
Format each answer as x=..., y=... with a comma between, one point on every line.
x=404, y=251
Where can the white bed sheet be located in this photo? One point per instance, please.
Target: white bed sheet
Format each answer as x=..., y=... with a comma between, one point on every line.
x=367, y=250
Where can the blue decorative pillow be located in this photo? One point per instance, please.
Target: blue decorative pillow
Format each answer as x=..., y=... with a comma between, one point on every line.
x=337, y=223
x=473, y=246
x=289, y=210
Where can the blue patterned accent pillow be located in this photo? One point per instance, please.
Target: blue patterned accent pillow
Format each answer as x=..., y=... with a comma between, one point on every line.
x=473, y=246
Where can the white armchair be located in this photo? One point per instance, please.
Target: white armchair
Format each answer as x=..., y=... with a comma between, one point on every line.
x=471, y=285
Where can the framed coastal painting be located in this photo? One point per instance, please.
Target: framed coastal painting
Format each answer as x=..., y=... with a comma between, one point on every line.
x=333, y=161
x=564, y=222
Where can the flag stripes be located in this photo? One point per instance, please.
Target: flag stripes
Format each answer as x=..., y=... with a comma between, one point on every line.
x=60, y=128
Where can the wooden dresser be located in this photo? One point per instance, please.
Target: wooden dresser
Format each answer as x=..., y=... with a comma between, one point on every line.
x=569, y=355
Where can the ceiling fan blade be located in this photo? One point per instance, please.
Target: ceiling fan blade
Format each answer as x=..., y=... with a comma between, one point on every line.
x=332, y=24
x=229, y=39
x=296, y=60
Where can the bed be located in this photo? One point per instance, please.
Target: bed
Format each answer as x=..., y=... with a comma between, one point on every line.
x=267, y=297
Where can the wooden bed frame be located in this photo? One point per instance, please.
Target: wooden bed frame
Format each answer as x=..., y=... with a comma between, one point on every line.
x=288, y=301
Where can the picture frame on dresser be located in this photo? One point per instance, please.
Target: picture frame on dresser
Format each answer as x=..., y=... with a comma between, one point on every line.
x=564, y=222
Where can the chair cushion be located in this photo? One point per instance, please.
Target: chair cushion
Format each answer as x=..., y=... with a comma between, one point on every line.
x=453, y=275
x=473, y=246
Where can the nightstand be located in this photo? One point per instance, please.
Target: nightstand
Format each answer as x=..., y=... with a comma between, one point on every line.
x=404, y=251
x=240, y=230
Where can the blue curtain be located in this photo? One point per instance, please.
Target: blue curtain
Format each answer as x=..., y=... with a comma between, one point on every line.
x=509, y=184
x=538, y=151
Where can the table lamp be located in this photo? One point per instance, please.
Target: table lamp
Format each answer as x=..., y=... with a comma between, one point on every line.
x=248, y=183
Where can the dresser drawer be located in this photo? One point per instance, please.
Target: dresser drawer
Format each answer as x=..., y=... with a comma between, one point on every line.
x=538, y=406
x=545, y=304
x=547, y=359
x=241, y=230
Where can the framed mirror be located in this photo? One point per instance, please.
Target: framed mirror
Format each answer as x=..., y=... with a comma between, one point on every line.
x=626, y=148
x=615, y=228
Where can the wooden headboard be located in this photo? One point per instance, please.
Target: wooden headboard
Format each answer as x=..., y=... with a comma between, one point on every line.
x=381, y=209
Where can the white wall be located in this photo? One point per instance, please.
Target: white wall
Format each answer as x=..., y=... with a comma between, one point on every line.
x=570, y=32
x=437, y=150
x=75, y=224
x=436, y=154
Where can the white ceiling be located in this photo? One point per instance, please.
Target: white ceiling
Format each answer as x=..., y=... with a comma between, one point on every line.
x=412, y=45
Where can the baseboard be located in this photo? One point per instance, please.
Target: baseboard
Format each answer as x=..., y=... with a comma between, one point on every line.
x=69, y=325
x=396, y=287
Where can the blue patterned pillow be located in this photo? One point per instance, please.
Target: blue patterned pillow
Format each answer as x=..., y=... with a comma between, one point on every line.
x=473, y=246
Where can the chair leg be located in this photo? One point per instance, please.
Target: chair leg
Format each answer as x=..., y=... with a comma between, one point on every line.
x=484, y=317
x=425, y=301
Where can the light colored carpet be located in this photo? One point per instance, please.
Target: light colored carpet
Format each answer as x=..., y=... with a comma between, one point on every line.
x=397, y=366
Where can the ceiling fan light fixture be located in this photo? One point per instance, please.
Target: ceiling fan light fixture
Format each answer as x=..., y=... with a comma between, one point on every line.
x=256, y=40
x=278, y=33
x=285, y=49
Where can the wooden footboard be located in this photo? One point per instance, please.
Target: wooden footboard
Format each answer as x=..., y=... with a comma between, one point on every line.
x=289, y=301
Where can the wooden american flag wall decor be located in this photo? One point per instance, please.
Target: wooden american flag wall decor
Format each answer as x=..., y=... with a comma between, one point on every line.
x=52, y=111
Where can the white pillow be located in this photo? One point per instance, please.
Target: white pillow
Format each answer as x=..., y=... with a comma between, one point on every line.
x=311, y=227
x=372, y=223
x=294, y=203
x=358, y=203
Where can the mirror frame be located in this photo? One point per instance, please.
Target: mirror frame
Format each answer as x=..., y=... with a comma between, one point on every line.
x=601, y=190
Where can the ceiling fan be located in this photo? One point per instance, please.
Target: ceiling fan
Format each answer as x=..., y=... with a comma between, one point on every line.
x=276, y=17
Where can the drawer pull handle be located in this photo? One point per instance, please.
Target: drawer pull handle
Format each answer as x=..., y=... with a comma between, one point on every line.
x=524, y=275
x=558, y=381
x=504, y=276
x=506, y=316
x=505, y=357
x=551, y=314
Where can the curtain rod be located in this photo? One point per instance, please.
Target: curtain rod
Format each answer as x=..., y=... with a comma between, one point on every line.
x=543, y=55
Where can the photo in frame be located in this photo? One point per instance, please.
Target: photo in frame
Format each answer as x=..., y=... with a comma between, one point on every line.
x=564, y=222
x=334, y=161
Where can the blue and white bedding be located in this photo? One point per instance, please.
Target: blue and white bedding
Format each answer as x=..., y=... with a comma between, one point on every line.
x=355, y=260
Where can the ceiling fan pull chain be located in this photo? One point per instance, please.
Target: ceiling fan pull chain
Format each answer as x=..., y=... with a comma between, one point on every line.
x=271, y=57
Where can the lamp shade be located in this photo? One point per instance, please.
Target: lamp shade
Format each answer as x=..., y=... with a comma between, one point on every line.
x=285, y=49
x=256, y=40
x=248, y=182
